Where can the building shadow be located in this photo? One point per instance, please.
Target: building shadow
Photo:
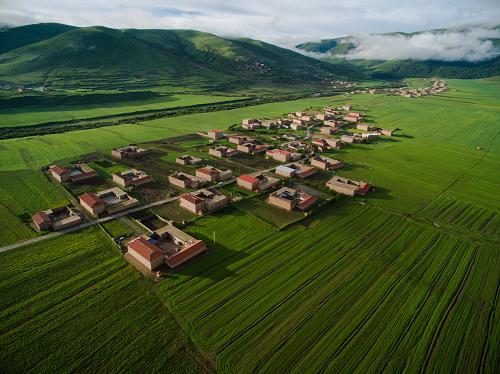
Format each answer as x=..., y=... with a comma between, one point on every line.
x=213, y=264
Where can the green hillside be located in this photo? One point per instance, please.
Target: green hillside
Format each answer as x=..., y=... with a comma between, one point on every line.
x=12, y=38
x=331, y=50
x=103, y=57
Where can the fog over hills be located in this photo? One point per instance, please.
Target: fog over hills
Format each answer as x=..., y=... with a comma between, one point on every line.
x=463, y=51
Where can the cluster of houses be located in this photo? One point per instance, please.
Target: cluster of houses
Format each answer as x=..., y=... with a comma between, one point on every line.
x=437, y=86
x=300, y=158
x=108, y=201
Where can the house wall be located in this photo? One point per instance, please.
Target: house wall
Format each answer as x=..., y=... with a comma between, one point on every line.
x=58, y=225
x=244, y=149
x=116, y=153
x=97, y=209
x=246, y=185
x=43, y=226
x=148, y=264
x=84, y=176
x=285, y=172
x=319, y=164
x=280, y=157
x=212, y=205
x=177, y=182
x=326, y=130
x=280, y=203
x=192, y=207
x=120, y=181
x=60, y=178
x=214, y=152
x=143, y=180
x=344, y=190
x=121, y=207
x=225, y=175
x=186, y=254
x=207, y=177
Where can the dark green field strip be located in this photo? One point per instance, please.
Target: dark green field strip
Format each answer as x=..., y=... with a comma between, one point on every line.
x=70, y=314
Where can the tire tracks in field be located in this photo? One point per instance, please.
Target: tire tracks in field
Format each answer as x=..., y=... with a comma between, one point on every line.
x=306, y=284
x=382, y=299
x=484, y=352
x=322, y=300
x=285, y=238
x=446, y=314
x=63, y=302
x=473, y=166
x=416, y=314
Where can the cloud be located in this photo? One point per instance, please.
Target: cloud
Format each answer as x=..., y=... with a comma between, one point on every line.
x=451, y=45
x=282, y=22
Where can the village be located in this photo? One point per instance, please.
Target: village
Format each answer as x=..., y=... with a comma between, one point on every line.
x=437, y=86
x=286, y=165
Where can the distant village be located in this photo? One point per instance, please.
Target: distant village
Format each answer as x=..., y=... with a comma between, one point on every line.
x=437, y=86
x=298, y=146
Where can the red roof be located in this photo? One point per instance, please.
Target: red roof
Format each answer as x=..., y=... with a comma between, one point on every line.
x=40, y=217
x=307, y=201
x=145, y=249
x=59, y=170
x=185, y=254
x=248, y=179
x=282, y=152
x=91, y=199
x=190, y=198
x=208, y=171
x=215, y=130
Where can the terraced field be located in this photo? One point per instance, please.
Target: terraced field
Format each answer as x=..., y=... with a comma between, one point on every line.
x=73, y=305
x=351, y=282
x=22, y=193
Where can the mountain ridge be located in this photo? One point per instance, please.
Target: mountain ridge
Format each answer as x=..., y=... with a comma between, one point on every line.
x=88, y=54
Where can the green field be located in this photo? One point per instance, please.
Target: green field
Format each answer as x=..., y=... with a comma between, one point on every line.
x=33, y=152
x=73, y=305
x=35, y=115
x=314, y=296
x=406, y=279
x=23, y=193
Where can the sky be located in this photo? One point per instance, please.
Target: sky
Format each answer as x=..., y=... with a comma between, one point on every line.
x=285, y=23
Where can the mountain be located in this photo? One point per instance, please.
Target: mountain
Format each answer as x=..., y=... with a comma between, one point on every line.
x=12, y=38
x=333, y=51
x=104, y=57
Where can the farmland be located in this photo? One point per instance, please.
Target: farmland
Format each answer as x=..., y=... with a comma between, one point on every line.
x=405, y=279
x=39, y=114
x=326, y=290
x=22, y=194
x=80, y=307
x=33, y=152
